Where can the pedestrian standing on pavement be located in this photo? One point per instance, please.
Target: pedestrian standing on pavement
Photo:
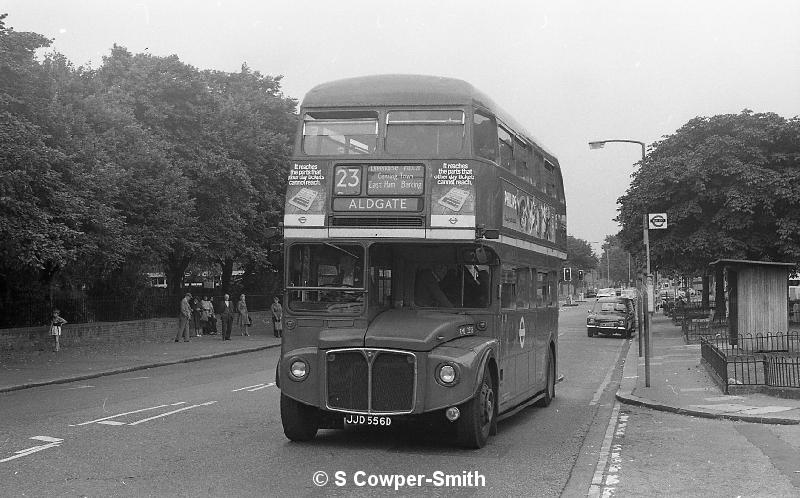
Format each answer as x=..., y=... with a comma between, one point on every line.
x=55, y=328
x=197, y=317
x=244, y=317
x=277, y=317
x=226, y=312
x=184, y=318
x=208, y=316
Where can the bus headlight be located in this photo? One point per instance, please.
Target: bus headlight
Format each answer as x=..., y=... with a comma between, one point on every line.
x=447, y=375
x=298, y=370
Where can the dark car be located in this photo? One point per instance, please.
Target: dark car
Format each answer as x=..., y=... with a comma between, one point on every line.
x=611, y=315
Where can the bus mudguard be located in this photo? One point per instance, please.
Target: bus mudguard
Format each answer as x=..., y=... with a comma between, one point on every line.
x=305, y=388
x=470, y=356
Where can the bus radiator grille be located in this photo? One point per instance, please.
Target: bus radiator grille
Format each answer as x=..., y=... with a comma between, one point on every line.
x=348, y=374
x=393, y=383
x=392, y=376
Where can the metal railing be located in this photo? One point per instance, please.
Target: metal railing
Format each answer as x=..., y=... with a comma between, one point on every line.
x=757, y=343
x=757, y=359
x=783, y=371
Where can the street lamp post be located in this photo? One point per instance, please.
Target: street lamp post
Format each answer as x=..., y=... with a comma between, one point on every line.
x=648, y=297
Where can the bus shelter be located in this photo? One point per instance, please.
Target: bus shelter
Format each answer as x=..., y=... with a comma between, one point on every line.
x=755, y=296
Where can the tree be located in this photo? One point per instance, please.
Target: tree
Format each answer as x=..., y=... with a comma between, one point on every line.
x=617, y=263
x=254, y=127
x=145, y=161
x=580, y=255
x=52, y=215
x=730, y=186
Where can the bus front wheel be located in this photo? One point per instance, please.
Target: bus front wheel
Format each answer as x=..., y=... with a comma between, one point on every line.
x=478, y=415
x=300, y=421
x=550, y=389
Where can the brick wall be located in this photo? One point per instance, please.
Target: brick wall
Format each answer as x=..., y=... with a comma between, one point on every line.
x=76, y=334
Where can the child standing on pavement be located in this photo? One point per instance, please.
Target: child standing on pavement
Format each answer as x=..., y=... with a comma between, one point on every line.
x=55, y=327
x=277, y=317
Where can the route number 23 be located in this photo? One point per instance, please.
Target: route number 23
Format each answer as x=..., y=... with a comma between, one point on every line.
x=348, y=181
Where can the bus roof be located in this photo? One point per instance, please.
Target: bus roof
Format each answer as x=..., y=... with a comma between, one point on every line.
x=407, y=90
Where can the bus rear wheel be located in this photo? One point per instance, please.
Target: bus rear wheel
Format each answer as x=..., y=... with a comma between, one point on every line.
x=300, y=421
x=478, y=415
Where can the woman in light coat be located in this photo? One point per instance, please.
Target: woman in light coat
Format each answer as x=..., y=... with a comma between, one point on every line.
x=244, y=317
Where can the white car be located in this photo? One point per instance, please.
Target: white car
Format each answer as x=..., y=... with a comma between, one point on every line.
x=609, y=292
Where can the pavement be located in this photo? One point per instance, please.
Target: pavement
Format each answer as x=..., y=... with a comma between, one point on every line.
x=39, y=368
x=679, y=382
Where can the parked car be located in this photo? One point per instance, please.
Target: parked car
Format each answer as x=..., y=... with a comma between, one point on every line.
x=609, y=292
x=591, y=293
x=611, y=315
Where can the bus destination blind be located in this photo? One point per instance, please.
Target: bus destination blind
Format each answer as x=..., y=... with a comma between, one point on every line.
x=395, y=180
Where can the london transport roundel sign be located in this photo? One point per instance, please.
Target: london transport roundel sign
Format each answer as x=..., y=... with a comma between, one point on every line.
x=657, y=221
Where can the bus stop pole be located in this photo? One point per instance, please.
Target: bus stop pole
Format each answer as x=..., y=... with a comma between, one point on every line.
x=640, y=317
x=650, y=305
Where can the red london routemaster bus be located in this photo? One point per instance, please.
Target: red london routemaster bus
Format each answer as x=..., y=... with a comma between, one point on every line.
x=424, y=230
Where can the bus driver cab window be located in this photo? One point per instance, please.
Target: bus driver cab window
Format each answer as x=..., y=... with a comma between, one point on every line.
x=452, y=286
x=428, y=283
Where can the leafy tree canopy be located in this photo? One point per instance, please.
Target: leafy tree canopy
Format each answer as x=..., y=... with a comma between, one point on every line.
x=730, y=186
x=144, y=162
x=580, y=255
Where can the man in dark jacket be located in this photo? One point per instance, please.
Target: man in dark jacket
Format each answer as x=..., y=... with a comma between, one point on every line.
x=225, y=311
x=184, y=318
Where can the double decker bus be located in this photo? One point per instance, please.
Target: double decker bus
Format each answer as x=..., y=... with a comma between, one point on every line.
x=424, y=230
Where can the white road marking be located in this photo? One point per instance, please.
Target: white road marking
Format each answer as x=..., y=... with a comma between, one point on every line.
x=262, y=387
x=248, y=387
x=111, y=422
x=605, y=480
x=605, y=383
x=136, y=378
x=171, y=413
x=77, y=387
x=605, y=450
x=127, y=413
x=47, y=439
x=52, y=442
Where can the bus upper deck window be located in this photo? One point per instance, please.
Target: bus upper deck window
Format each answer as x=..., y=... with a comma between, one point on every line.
x=506, y=148
x=424, y=132
x=484, y=136
x=340, y=133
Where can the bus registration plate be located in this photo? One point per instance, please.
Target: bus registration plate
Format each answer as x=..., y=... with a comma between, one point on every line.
x=367, y=420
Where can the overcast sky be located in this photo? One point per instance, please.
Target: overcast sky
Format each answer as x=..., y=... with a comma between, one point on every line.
x=569, y=71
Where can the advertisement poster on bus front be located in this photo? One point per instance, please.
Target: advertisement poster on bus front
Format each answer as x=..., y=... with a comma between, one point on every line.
x=306, y=196
x=453, y=195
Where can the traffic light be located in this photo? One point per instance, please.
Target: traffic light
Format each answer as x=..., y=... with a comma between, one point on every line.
x=580, y=274
x=567, y=274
